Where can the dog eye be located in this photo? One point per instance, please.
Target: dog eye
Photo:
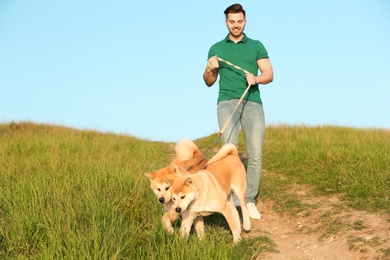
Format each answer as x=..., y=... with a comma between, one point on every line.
x=182, y=197
x=159, y=189
x=167, y=188
x=173, y=199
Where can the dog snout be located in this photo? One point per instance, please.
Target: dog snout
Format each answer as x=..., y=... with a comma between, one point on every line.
x=161, y=200
x=178, y=210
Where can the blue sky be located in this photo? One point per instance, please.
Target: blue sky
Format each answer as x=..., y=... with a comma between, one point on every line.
x=136, y=68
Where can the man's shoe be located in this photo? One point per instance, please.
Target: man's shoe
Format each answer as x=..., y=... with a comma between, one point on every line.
x=253, y=212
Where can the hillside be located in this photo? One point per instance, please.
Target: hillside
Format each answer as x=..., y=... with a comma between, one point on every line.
x=70, y=193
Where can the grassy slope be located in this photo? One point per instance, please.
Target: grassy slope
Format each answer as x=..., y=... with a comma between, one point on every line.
x=353, y=162
x=67, y=193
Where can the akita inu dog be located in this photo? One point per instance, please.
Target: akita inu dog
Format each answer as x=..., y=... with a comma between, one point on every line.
x=189, y=157
x=209, y=191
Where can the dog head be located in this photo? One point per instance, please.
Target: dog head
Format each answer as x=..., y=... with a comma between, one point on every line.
x=183, y=192
x=162, y=180
x=188, y=158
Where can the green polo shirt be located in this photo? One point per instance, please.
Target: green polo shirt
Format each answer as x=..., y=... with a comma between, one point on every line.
x=232, y=81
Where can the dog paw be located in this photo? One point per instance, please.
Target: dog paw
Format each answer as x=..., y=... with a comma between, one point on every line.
x=170, y=230
x=236, y=239
x=247, y=230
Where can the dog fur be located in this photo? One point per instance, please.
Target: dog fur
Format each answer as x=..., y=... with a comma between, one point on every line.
x=188, y=156
x=209, y=191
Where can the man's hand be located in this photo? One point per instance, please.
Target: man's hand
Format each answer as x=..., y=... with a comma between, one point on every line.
x=213, y=63
x=251, y=79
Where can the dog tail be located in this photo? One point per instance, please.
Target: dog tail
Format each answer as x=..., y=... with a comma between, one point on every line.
x=185, y=150
x=226, y=150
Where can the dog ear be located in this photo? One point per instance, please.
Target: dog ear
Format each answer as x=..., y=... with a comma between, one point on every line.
x=177, y=170
x=188, y=181
x=150, y=175
x=196, y=152
x=174, y=168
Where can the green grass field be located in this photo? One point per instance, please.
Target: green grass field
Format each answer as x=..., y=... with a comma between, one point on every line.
x=75, y=194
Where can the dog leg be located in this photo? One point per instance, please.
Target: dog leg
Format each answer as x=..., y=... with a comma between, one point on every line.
x=244, y=209
x=240, y=194
x=167, y=219
x=186, y=224
x=233, y=219
x=246, y=221
x=199, y=227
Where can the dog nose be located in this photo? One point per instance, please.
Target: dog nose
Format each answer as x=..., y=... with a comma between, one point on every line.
x=178, y=210
x=161, y=200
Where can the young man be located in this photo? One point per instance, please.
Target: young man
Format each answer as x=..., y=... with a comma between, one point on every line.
x=251, y=56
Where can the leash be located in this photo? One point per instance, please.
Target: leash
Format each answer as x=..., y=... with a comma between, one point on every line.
x=239, y=101
x=202, y=160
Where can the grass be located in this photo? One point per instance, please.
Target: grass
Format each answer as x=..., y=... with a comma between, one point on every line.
x=67, y=193
x=335, y=160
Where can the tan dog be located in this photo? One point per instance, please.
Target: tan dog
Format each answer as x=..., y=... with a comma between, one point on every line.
x=209, y=191
x=190, y=158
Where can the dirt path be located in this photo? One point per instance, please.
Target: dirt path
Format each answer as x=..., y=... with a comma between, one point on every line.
x=328, y=230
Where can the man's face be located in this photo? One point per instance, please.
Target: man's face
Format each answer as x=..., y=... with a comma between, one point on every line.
x=236, y=23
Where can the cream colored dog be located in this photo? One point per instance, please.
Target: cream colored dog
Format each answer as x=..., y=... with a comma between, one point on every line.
x=209, y=191
x=188, y=157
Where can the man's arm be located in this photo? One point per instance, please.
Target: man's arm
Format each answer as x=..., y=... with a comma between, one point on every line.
x=267, y=73
x=210, y=74
x=266, y=76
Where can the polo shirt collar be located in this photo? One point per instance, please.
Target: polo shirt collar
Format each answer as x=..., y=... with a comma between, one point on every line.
x=244, y=39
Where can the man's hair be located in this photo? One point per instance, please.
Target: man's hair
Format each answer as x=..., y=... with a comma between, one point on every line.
x=234, y=8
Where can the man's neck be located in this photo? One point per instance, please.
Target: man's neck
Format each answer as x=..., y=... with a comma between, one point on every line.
x=236, y=39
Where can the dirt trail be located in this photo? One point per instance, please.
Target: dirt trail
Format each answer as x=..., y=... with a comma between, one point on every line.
x=328, y=230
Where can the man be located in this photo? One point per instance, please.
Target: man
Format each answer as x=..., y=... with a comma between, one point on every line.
x=249, y=55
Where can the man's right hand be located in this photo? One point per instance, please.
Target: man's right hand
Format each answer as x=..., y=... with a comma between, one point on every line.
x=213, y=63
x=210, y=74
